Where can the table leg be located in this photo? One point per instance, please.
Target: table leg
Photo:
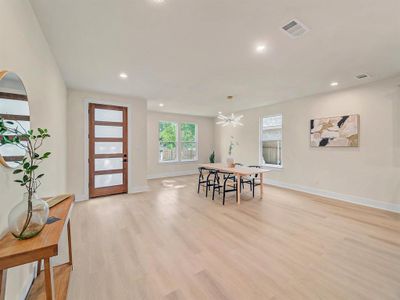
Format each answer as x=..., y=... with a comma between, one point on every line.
x=48, y=277
x=69, y=242
x=39, y=267
x=3, y=279
x=261, y=185
x=238, y=188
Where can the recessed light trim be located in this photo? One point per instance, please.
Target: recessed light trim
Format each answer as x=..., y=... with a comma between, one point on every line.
x=123, y=75
x=161, y=105
x=334, y=83
x=260, y=48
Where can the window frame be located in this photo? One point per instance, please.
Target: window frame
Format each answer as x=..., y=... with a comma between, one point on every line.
x=176, y=142
x=179, y=142
x=260, y=147
x=195, y=142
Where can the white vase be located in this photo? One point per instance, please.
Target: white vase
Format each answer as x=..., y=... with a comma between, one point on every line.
x=230, y=162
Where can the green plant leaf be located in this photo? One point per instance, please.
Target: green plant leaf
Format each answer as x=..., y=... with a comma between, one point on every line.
x=45, y=155
x=19, y=181
x=40, y=176
x=26, y=165
x=17, y=171
x=25, y=178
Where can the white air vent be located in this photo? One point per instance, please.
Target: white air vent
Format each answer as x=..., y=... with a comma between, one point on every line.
x=362, y=76
x=295, y=29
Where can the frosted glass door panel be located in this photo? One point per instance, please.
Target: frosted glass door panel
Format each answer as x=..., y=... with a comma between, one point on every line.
x=108, y=115
x=107, y=147
x=108, y=180
x=108, y=131
x=104, y=164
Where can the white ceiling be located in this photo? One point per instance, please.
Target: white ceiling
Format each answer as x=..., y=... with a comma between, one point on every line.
x=191, y=54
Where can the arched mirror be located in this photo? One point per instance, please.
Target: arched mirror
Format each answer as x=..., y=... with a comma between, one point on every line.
x=14, y=109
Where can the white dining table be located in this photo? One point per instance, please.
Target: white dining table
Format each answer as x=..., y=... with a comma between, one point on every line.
x=239, y=172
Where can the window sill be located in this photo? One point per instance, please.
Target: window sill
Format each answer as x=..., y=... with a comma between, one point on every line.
x=272, y=166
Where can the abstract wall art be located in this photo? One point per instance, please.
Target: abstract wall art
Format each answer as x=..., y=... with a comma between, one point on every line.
x=342, y=131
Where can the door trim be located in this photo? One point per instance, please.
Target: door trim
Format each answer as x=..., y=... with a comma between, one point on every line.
x=113, y=189
x=100, y=100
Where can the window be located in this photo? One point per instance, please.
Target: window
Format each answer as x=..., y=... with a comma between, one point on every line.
x=168, y=136
x=271, y=141
x=173, y=142
x=188, y=142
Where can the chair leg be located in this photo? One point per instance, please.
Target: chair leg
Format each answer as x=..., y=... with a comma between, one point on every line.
x=254, y=186
x=198, y=187
x=223, y=197
x=213, y=191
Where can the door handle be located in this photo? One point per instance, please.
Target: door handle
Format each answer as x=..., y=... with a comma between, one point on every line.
x=125, y=160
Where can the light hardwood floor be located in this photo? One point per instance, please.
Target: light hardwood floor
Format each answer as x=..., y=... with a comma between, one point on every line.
x=171, y=243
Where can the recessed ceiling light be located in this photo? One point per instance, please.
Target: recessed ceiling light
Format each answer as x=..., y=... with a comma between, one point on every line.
x=334, y=83
x=260, y=48
x=123, y=75
x=159, y=1
x=220, y=112
x=161, y=105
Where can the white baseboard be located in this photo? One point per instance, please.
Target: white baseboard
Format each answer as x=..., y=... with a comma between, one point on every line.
x=173, y=174
x=337, y=196
x=139, y=189
x=79, y=198
x=133, y=190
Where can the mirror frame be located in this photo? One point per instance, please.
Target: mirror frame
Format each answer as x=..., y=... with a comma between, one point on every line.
x=3, y=95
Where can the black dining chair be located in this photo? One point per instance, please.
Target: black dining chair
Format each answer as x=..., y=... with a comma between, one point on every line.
x=252, y=180
x=225, y=181
x=207, y=178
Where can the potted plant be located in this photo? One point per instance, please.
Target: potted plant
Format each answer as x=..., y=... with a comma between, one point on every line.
x=28, y=217
x=212, y=157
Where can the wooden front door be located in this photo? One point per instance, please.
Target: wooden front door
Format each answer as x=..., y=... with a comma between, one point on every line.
x=108, y=150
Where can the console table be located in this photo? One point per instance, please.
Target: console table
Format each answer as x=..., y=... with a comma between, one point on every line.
x=14, y=252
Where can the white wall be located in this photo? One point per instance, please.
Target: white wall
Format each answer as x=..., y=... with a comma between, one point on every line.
x=78, y=137
x=206, y=144
x=370, y=173
x=25, y=51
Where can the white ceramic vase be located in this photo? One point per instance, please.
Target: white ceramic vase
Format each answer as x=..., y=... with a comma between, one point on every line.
x=230, y=162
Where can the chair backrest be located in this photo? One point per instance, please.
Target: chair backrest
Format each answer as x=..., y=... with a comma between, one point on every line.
x=255, y=166
x=201, y=170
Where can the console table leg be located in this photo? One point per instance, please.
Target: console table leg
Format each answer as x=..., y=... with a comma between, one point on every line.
x=39, y=267
x=48, y=277
x=3, y=279
x=69, y=242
